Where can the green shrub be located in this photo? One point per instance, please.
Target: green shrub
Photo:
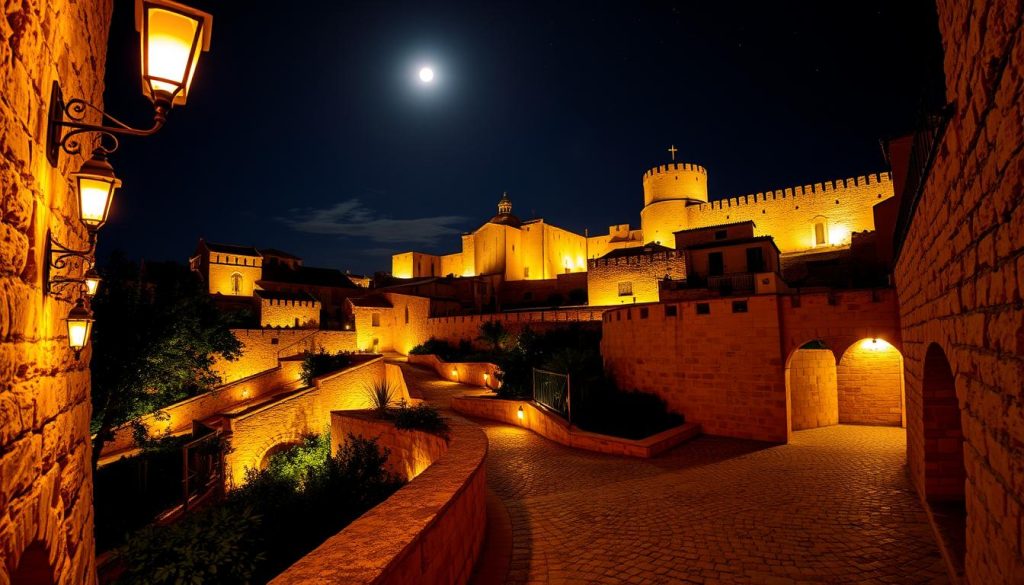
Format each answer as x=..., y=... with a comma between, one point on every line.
x=381, y=394
x=422, y=418
x=216, y=545
x=317, y=364
x=440, y=348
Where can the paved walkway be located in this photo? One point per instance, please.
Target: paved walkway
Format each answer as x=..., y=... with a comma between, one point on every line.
x=833, y=506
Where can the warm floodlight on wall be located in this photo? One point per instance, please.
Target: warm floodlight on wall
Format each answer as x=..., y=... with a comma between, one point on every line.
x=172, y=38
x=79, y=327
x=521, y=414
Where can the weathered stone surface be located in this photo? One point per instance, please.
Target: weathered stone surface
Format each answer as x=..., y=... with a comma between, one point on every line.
x=960, y=280
x=45, y=481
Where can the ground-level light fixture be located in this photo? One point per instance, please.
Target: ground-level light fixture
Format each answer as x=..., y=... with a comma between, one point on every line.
x=172, y=36
x=79, y=323
x=521, y=414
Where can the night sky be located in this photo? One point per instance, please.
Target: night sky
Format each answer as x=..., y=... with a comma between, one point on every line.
x=307, y=130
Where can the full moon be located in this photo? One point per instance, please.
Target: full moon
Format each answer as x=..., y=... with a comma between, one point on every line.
x=426, y=74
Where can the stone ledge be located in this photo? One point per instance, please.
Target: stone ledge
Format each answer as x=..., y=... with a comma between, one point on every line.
x=475, y=373
x=554, y=428
x=430, y=531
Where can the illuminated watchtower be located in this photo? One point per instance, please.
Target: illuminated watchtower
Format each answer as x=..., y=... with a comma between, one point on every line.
x=668, y=190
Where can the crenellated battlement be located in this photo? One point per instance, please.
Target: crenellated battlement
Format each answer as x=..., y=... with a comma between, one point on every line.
x=675, y=168
x=825, y=188
x=291, y=303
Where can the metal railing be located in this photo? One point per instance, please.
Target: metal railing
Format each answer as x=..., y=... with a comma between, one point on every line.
x=553, y=391
x=202, y=468
x=728, y=283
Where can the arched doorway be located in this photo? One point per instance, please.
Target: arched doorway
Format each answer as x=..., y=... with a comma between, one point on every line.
x=278, y=448
x=870, y=384
x=33, y=567
x=945, y=475
x=811, y=380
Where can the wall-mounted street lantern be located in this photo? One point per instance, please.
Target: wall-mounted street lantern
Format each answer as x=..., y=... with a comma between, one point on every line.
x=79, y=327
x=172, y=38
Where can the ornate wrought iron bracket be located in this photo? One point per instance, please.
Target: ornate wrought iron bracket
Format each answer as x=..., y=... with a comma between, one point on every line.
x=70, y=115
x=58, y=256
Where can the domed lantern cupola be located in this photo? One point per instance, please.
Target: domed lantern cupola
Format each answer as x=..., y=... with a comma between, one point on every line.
x=505, y=204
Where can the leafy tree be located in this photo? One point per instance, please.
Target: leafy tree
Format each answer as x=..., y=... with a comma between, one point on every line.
x=494, y=334
x=156, y=337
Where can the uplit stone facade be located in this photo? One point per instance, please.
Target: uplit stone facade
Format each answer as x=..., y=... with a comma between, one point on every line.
x=960, y=276
x=46, y=517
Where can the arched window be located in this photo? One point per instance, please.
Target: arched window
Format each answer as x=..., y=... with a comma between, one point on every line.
x=820, y=233
x=236, y=283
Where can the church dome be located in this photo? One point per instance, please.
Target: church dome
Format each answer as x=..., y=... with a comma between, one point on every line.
x=505, y=216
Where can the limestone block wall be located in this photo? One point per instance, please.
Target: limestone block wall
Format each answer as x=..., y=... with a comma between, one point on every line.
x=722, y=370
x=253, y=433
x=811, y=377
x=411, y=452
x=283, y=313
x=455, y=329
x=45, y=480
x=399, y=327
x=789, y=215
x=430, y=531
x=641, y=271
x=224, y=266
x=261, y=348
x=476, y=373
x=960, y=277
x=177, y=418
x=870, y=384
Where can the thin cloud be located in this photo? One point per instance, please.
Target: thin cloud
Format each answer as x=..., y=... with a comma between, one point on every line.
x=353, y=219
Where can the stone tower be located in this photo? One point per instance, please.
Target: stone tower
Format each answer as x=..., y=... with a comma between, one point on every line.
x=504, y=205
x=668, y=190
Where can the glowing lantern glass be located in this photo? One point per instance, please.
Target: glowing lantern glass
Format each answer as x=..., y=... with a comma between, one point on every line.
x=173, y=36
x=96, y=184
x=521, y=414
x=79, y=327
x=92, y=282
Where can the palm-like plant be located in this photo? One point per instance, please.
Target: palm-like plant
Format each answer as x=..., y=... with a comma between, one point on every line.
x=494, y=334
x=381, y=395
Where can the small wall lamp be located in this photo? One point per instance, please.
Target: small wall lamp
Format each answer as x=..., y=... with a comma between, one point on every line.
x=79, y=322
x=172, y=38
x=521, y=414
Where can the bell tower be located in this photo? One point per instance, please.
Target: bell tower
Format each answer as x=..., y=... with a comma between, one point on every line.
x=504, y=205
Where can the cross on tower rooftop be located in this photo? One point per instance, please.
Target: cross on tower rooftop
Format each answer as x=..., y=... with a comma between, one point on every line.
x=672, y=149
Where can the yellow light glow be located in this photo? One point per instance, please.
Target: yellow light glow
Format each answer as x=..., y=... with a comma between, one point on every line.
x=875, y=344
x=78, y=334
x=521, y=414
x=837, y=234
x=174, y=35
x=426, y=75
x=94, y=195
x=246, y=393
x=91, y=286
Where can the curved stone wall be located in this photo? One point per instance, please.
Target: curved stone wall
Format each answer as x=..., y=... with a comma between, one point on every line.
x=430, y=531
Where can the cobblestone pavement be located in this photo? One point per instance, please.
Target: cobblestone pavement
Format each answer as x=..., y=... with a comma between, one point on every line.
x=833, y=506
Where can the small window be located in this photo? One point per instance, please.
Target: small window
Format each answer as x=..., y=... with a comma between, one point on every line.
x=721, y=234
x=671, y=310
x=703, y=309
x=739, y=306
x=274, y=341
x=236, y=283
x=406, y=314
x=644, y=312
x=526, y=272
x=375, y=319
x=626, y=289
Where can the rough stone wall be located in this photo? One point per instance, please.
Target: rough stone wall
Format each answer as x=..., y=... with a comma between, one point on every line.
x=455, y=329
x=642, y=271
x=723, y=370
x=870, y=385
x=788, y=215
x=411, y=452
x=45, y=481
x=960, y=277
x=811, y=377
x=222, y=266
x=261, y=348
x=253, y=434
x=297, y=314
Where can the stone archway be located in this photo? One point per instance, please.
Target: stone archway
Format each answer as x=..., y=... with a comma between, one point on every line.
x=811, y=385
x=945, y=474
x=34, y=566
x=870, y=384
